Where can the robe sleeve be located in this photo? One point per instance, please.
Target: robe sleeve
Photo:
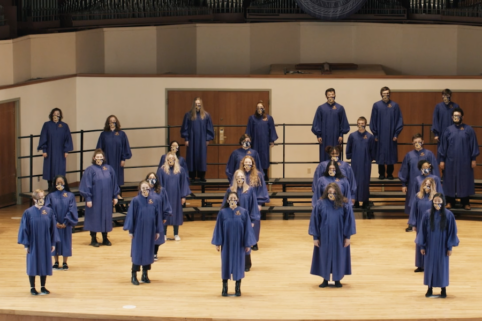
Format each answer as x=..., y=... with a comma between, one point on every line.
x=344, y=126
x=398, y=122
x=412, y=218
x=404, y=172
x=209, y=128
x=349, y=225
x=474, y=145
x=44, y=137
x=186, y=127
x=349, y=147
x=161, y=162
x=231, y=166
x=253, y=210
x=315, y=220
x=86, y=186
x=115, y=186
x=421, y=239
x=68, y=145
x=373, y=150
x=443, y=147
x=435, y=122
x=316, y=128
x=374, y=121
x=158, y=215
x=273, y=136
x=433, y=160
x=130, y=222
x=320, y=169
x=249, y=127
x=249, y=237
x=439, y=186
x=452, y=238
x=100, y=141
x=72, y=217
x=218, y=230
x=350, y=176
x=54, y=233
x=126, y=148
x=262, y=192
x=166, y=208
x=24, y=230
x=347, y=190
x=257, y=160
x=184, y=188
x=183, y=163
x=160, y=176
x=316, y=192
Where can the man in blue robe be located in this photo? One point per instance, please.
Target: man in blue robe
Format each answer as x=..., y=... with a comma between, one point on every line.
x=237, y=155
x=330, y=124
x=458, y=151
x=386, y=124
x=442, y=117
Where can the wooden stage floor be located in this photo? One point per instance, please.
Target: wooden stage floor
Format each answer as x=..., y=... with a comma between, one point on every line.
x=186, y=281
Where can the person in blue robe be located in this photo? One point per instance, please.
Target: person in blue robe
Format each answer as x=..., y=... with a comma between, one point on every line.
x=248, y=201
x=422, y=202
x=255, y=180
x=442, y=117
x=144, y=223
x=332, y=174
x=38, y=234
x=238, y=154
x=345, y=168
x=386, y=124
x=409, y=170
x=233, y=235
x=330, y=124
x=173, y=178
x=436, y=237
x=197, y=130
x=174, y=147
x=332, y=224
x=262, y=130
x=425, y=168
x=458, y=151
x=55, y=142
x=64, y=205
x=160, y=193
x=99, y=188
x=360, y=148
x=113, y=141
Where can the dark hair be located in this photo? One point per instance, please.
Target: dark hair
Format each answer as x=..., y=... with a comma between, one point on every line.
x=157, y=185
x=443, y=215
x=339, y=198
x=263, y=115
x=362, y=118
x=330, y=90
x=459, y=110
x=243, y=137
x=228, y=193
x=423, y=161
x=53, y=187
x=117, y=124
x=338, y=171
x=178, y=154
x=51, y=115
x=98, y=151
x=417, y=135
x=330, y=149
x=385, y=89
x=447, y=92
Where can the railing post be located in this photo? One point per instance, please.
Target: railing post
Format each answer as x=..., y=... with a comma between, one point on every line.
x=31, y=163
x=81, y=153
x=284, y=148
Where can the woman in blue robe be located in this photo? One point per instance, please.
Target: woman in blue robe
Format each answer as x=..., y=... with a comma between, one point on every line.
x=238, y=154
x=144, y=223
x=99, y=188
x=197, y=130
x=38, y=234
x=436, y=237
x=113, y=141
x=248, y=201
x=329, y=124
x=173, y=178
x=255, y=180
x=64, y=205
x=332, y=224
x=262, y=131
x=425, y=168
x=332, y=174
x=55, y=143
x=442, y=117
x=174, y=147
x=233, y=236
x=361, y=150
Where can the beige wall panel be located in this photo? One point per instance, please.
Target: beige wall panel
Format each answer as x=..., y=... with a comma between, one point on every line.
x=53, y=55
x=469, y=44
x=21, y=59
x=6, y=62
x=223, y=49
x=274, y=43
x=130, y=50
x=90, y=56
x=176, y=49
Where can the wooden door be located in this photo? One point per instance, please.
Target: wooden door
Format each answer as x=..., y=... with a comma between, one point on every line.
x=8, y=186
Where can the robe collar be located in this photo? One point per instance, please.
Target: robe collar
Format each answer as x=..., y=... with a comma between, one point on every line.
x=419, y=151
x=362, y=134
x=458, y=125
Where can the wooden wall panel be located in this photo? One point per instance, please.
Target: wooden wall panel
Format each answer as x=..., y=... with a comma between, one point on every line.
x=8, y=177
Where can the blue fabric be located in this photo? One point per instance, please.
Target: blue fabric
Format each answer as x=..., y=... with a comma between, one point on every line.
x=177, y=187
x=331, y=226
x=55, y=140
x=436, y=244
x=330, y=122
x=99, y=186
x=166, y=209
x=262, y=133
x=345, y=169
x=386, y=122
x=38, y=233
x=116, y=148
x=235, y=161
x=418, y=208
x=360, y=148
x=442, y=118
x=323, y=182
x=181, y=160
x=233, y=232
x=65, y=210
x=197, y=132
x=261, y=191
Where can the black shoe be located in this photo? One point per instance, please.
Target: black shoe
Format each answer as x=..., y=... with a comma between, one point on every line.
x=443, y=294
x=390, y=177
x=366, y=205
x=33, y=291
x=255, y=247
x=247, y=269
x=324, y=284
x=134, y=278
x=247, y=263
x=338, y=284
x=238, y=288
x=155, y=257
x=44, y=291
x=409, y=229
x=65, y=267
x=202, y=180
x=106, y=242
x=56, y=266
x=429, y=293
x=145, y=278
x=94, y=242
x=419, y=269
x=381, y=177
x=225, y=288
x=356, y=205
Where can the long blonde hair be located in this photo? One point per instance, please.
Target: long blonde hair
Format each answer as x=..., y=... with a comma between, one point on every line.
x=433, y=188
x=202, y=112
x=234, y=184
x=166, y=167
x=254, y=180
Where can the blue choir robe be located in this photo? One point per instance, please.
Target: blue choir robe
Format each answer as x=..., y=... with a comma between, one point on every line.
x=181, y=160
x=323, y=182
x=233, y=232
x=331, y=226
x=418, y=208
x=55, y=140
x=345, y=169
x=458, y=148
x=166, y=209
x=261, y=191
x=197, y=132
x=419, y=180
x=38, y=233
x=442, y=118
x=64, y=205
x=99, y=186
x=116, y=148
x=409, y=171
x=235, y=160
x=262, y=133
x=360, y=148
x=177, y=187
x=386, y=122
x=436, y=244
x=144, y=221
x=330, y=122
